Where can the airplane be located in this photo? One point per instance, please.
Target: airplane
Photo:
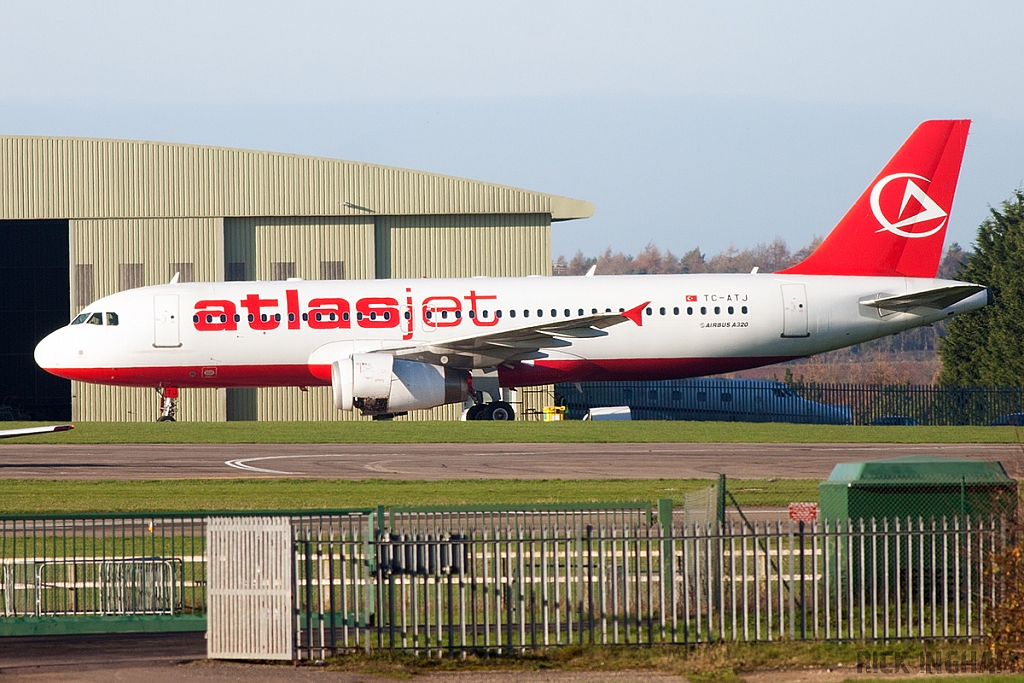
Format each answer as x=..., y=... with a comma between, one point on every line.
x=390, y=346
x=29, y=431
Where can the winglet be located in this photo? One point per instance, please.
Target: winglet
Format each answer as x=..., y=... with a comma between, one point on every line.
x=636, y=314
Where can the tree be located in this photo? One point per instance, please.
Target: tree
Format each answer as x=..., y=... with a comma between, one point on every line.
x=986, y=347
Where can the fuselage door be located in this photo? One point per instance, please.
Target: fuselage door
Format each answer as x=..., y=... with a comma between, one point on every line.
x=165, y=321
x=794, y=311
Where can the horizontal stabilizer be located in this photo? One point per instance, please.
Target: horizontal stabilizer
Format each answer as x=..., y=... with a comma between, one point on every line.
x=940, y=298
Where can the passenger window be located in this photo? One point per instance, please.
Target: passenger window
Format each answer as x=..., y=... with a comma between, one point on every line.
x=512, y=313
x=649, y=311
x=95, y=319
x=675, y=311
x=703, y=310
x=80, y=319
x=554, y=313
x=526, y=314
x=593, y=311
x=744, y=309
x=581, y=311
x=111, y=318
x=567, y=313
x=689, y=310
x=718, y=310
x=731, y=311
x=540, y=313
x=662, y=310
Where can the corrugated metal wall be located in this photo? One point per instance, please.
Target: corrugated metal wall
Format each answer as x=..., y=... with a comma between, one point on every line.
x=84, y=178
x=122, y=253
x=141, y=211
x=504, y=245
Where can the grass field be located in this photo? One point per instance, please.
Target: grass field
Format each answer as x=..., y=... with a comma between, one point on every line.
x=520, y=432
x=19, y=496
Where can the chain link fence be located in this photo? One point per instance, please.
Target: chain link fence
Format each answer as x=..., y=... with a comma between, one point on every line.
x=766, y=401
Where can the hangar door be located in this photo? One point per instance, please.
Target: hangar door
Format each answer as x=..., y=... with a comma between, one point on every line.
x=35, y=283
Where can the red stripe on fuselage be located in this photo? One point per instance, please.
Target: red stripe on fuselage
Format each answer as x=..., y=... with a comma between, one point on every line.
x=520, y=375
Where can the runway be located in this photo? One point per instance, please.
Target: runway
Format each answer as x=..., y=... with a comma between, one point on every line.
x=463, y=461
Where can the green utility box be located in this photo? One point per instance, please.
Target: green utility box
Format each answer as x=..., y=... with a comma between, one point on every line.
x=909, y=527
x=918, y=487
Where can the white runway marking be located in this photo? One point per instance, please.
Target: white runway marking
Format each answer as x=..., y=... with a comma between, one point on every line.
x=378, y=466
x=243, y=463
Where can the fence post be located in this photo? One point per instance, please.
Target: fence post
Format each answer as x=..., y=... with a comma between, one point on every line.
x=721, y=500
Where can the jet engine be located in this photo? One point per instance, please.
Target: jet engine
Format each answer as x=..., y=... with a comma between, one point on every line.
x=378, y=383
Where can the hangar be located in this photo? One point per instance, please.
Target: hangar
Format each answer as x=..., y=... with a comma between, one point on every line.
x=84, y=218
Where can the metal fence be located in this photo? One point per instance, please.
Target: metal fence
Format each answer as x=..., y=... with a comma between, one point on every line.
x=102, y=565
x=764, y=401
x=508, y=590
x=446, y=519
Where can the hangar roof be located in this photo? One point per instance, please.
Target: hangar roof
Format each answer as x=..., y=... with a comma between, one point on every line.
x=82, y=178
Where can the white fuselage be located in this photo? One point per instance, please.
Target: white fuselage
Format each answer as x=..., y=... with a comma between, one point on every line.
x=694, y=325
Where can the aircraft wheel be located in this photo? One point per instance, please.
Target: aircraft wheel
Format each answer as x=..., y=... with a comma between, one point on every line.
x=476, y=412
x=500, y=412
x=165, y=418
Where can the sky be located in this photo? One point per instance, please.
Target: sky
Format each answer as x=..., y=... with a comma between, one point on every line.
x=686, y=124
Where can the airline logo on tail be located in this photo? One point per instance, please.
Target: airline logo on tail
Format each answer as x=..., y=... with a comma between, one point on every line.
x=929, y=210
x=897, y=226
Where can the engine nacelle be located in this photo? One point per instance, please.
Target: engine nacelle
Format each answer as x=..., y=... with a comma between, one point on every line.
x=377, y=383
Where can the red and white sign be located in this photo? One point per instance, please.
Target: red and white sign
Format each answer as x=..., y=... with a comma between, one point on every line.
x=803, y=512
x=691, y=297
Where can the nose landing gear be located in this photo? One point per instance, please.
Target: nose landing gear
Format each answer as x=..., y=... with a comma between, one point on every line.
x=168, y=403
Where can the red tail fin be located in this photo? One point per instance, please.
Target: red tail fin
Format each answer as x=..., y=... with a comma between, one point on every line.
x=898, y=225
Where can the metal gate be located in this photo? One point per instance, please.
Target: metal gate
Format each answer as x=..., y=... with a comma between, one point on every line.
x=165, y=321
x=250, y=588
x=794, y=311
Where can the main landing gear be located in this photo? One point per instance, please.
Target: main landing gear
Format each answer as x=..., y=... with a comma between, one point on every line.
x=168, y=403
x=499, y=411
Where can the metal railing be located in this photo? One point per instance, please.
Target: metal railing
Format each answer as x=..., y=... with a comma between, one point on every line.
x=122, y=564
x=446, y=519
x=514, y=589
x=826, y=403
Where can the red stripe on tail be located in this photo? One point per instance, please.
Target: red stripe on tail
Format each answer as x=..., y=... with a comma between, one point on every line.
x=898, y=225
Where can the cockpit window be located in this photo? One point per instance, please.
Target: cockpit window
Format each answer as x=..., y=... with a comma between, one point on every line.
x=80, y=319
x=111, y=318
x=95, y=319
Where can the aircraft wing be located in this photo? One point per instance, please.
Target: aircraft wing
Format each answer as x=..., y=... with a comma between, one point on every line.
x=28, y=431
x=522, y=343
x=933, y=298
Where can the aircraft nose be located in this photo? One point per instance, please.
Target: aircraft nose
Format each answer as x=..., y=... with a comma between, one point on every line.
x=51, y=353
